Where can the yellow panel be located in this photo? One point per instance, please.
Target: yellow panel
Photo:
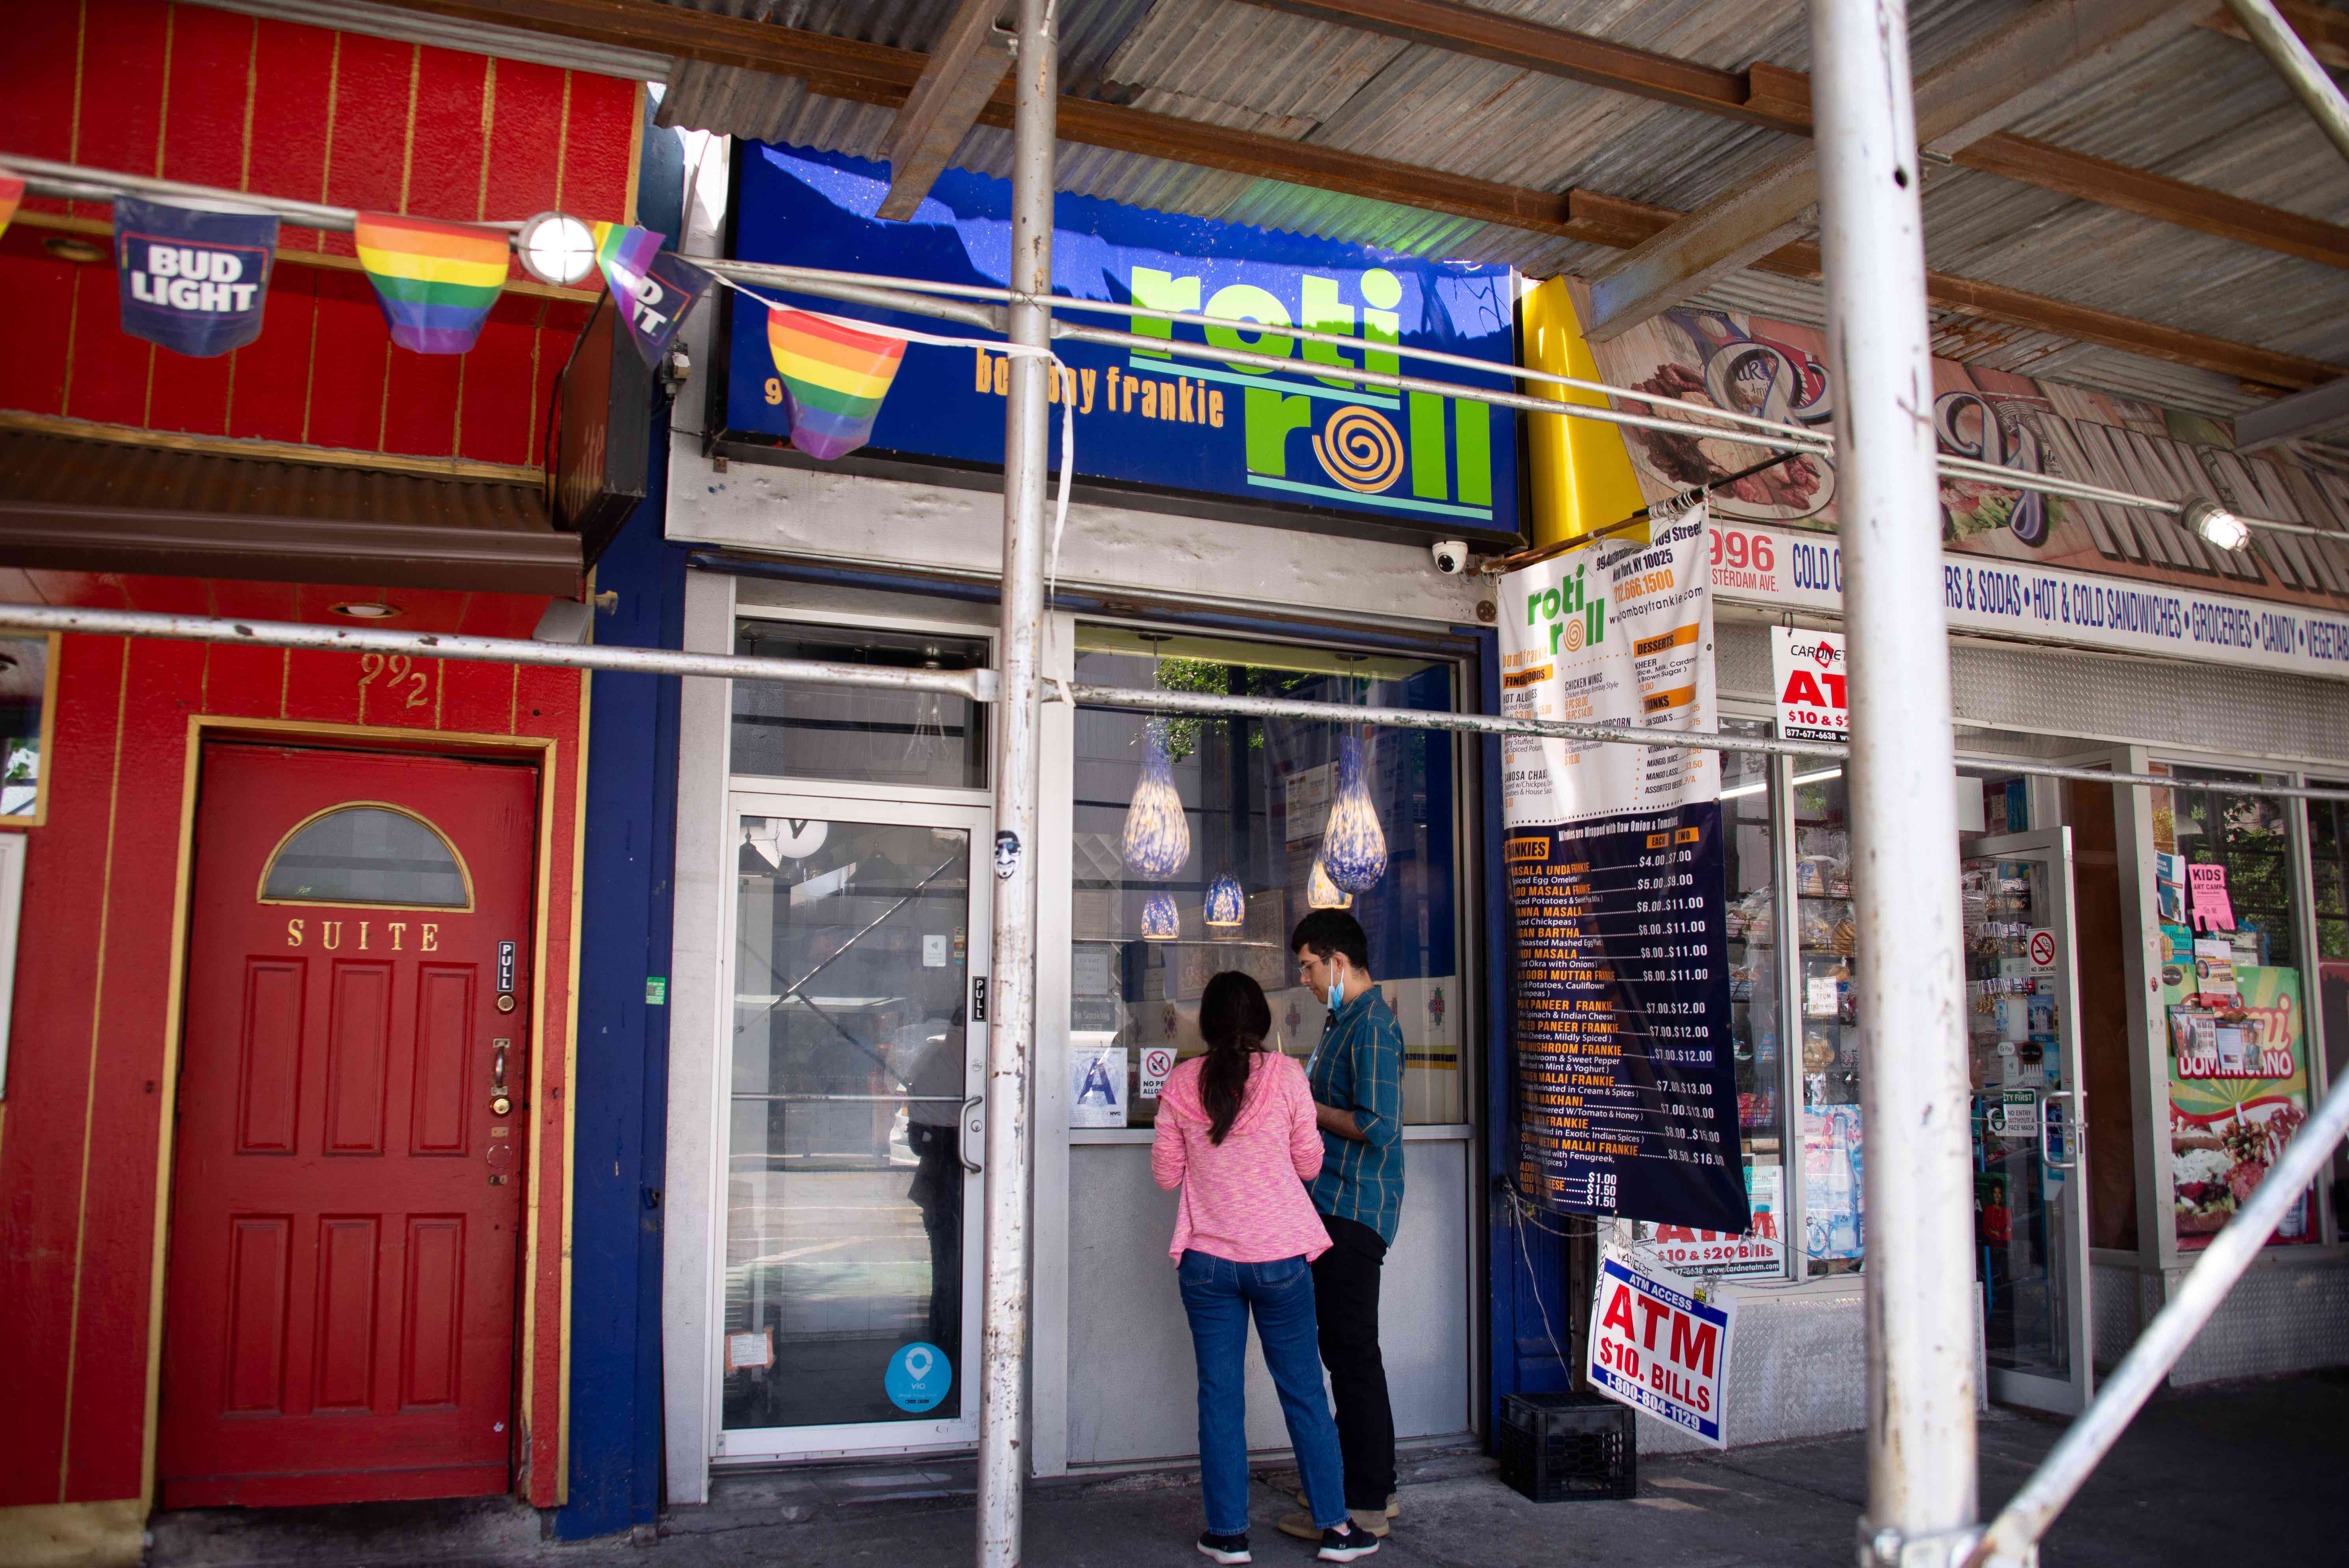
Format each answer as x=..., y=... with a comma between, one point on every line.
x=1582, y=477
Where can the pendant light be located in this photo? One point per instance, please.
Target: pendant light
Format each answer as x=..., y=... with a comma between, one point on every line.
x=1320, y=893
x=1227, y=903
x=1158, y=841
x=1354, y=847
x=1160, y=922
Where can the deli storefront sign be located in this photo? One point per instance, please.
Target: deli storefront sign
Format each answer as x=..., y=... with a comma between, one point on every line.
x=1787, y=570
x=1285, y=446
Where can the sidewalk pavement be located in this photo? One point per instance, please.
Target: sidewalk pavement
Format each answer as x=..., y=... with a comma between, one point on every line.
x=2246, y=1471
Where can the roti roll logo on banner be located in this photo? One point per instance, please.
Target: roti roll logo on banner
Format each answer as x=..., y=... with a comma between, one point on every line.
x=1627, y=1084
x=193, y=281
x=435, y=281
x=654, y=288
x=833, y=373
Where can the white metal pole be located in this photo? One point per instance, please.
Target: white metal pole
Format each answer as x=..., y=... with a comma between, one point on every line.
x=1011, y=1024
x=1921, y=1487
x=2298, y=67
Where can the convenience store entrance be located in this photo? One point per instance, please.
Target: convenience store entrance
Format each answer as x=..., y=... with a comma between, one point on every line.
x=2031, y=1194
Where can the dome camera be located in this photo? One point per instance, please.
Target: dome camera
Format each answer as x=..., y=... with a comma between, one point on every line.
x=1451, y=556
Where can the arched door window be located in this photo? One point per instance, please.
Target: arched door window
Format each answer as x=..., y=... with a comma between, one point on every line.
x=367, y=853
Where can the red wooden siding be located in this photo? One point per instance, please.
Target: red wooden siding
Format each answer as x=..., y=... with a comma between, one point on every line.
x=219, y=98
x=82, y=1129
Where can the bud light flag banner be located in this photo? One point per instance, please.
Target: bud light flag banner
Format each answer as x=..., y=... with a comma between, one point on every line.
x=1627, y=1088
x=653, y=288
x=193, y=281
x=1268, y=446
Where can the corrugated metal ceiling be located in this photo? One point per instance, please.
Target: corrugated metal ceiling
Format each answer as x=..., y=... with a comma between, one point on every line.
x=2203, y=107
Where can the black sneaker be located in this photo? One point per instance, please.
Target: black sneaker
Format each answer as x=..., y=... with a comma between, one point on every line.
x=1346, y=1542
x=1223, y=1548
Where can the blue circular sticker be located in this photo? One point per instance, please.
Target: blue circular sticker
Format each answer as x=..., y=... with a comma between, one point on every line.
x=919, y=1376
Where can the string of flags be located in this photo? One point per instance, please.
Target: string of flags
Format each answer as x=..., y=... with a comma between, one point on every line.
x=195, y=279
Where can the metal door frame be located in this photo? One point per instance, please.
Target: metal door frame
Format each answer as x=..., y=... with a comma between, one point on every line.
x=2067, y=1396
x=878, y=806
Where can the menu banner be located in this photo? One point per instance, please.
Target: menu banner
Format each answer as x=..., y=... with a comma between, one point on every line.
x=1626, y=1091
x=2238, y=1089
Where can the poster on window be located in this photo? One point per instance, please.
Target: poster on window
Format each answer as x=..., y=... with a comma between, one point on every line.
x=2237, y=1092
x=1627, y=1088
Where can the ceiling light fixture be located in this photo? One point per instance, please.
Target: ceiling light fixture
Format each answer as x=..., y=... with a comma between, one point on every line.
x=2215, y=525
x=556, y=248
x=376, y=610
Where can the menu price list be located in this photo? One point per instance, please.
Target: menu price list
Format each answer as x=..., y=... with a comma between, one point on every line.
x=1627, y=1089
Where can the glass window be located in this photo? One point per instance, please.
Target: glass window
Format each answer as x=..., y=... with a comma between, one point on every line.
x=2202, y=820
x=858, y=733
x=1231, y=821
x=1834, y=1238
x=366, y=854
x=23, y=726
x=1749, y=853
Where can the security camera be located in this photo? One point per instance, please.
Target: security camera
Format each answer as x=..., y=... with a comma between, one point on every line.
x=1451, y=556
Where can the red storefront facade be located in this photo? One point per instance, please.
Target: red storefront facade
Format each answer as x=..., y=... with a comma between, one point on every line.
x=316, y=470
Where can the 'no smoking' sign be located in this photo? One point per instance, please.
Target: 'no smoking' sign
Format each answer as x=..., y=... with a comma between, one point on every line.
x=2043, y=950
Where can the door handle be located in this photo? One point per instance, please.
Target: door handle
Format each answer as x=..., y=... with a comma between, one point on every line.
x=2071, y=1131
x=500, y=1102
x=971, y=1119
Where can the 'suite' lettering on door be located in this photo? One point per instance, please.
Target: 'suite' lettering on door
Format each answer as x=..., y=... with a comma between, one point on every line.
x=333, y=933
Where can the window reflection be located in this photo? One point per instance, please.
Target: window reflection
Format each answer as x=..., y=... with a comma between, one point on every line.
x=1258, y=797
x=782, y=730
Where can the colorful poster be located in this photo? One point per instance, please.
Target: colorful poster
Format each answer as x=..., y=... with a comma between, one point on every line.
x=1628, y=1091
x=2237, y=1092
x=1780, y=371
x=2207, y=896
x=1834, y=1205
x=1807, y=671
x=191, y=281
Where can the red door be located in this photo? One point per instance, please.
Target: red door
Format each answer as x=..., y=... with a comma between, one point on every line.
x=347, y=1183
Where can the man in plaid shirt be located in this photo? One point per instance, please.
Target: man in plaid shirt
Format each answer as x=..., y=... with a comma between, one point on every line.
x=1356, y=1075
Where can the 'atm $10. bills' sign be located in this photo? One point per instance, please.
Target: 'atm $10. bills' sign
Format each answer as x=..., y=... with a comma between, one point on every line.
x=2048, y=604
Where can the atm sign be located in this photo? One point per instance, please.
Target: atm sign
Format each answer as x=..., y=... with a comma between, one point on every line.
x=1808, y=669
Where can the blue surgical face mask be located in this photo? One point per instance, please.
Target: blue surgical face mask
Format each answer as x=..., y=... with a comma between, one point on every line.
x=1337, y=992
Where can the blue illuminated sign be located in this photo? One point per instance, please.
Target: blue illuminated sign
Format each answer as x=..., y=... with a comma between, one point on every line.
x=1158, y=420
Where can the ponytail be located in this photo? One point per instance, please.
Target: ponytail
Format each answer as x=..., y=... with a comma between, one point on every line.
x=1234, y=1019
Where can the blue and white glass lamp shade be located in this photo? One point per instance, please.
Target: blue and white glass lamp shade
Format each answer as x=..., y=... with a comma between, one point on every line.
x=1227, y=904
x=1157, y=842
x=1353, y=848
x=1320, y=893
x=1160, y=922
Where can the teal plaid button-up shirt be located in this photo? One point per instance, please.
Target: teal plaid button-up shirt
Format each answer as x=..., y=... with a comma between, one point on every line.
x=1358, y=1068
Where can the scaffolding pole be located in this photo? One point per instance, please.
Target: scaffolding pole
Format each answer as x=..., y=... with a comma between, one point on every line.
x=1011, y=1027
x=1921, y=1484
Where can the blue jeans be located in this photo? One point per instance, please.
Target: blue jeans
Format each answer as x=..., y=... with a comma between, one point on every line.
x=1218, y=1293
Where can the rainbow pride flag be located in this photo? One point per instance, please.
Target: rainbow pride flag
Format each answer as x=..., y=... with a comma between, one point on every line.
x=11, y=193
x=435, y=281
x=834, y=374
x=624, y=254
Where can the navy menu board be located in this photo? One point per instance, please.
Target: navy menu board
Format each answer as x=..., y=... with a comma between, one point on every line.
x=1627, y=1085
x=1291, y=444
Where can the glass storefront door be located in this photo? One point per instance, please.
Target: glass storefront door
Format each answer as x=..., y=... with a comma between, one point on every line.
x=854, y=1125
x=2030, y=1223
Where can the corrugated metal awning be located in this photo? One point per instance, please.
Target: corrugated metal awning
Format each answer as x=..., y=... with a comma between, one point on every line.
x=72, y=504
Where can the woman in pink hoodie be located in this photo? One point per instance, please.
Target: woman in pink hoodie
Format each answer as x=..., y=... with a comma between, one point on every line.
x=1236, y=1134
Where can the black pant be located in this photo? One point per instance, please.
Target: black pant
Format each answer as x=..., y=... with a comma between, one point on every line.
x=1346, y=1303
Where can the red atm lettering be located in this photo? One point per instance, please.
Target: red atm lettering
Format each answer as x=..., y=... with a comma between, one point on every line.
x=1802, y=686
x=1693, y=1350
x=1619, y=1314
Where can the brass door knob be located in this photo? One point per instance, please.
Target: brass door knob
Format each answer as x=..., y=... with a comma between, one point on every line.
x=500, y=1105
